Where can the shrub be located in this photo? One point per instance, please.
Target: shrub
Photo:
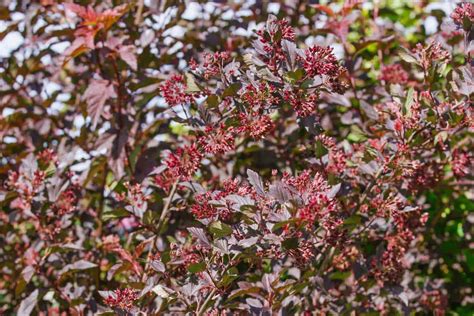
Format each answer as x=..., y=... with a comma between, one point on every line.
x=216, y=159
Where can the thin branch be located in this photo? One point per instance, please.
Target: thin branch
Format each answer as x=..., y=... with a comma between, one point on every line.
x=138, y=17
x=167, y=206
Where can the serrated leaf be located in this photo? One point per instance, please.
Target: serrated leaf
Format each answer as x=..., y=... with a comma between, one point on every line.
x=231, y=90
x=200, y=235
x=256, y=182
x=114, y=214
x=279, y=191
x=128, y=54
x=96, y=94
x=291, y=51
x=219, y=229
x=229, y=276
x=222, y=246
x=409, y=102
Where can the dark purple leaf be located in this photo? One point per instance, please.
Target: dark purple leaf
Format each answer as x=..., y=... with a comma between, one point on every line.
x=256, y=182
x=96, y=94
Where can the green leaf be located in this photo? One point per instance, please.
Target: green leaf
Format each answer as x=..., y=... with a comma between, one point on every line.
x=320, y=150
x=50, y=170
x=459, y=230
x=469, y=254
x=212, y=101
x=278, y=35
x=353, y=220
x=340, y=275
x=165, y=257
x=197, y=267
x=300, y=287
x=295, y=75
x=244, y=292
x=149, y=217
x=356, y=135
x=290, y=243
x=20, y=286
x=231, y=90
x=409, y=102
x=114, y=214
x=179, y=129
x=229, y=276
x=219, y=229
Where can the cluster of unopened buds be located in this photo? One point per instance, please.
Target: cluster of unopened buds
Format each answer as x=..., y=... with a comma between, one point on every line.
x=122, y=299
x=394, y=74
x=463, y=12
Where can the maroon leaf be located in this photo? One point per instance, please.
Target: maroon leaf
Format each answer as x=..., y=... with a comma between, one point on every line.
x=200, y=235
x=256, y=181
x=98, y=92
x=128, y=54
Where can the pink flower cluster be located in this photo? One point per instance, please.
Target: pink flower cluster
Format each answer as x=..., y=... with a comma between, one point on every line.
x=463, y=12
x=218, y=139
x=122, y=299
x=174, y=91
x=181, y=165
x=319, y=61
x=394, y=74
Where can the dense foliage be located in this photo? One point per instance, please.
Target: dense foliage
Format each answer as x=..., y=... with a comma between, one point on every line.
x=160, y=157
